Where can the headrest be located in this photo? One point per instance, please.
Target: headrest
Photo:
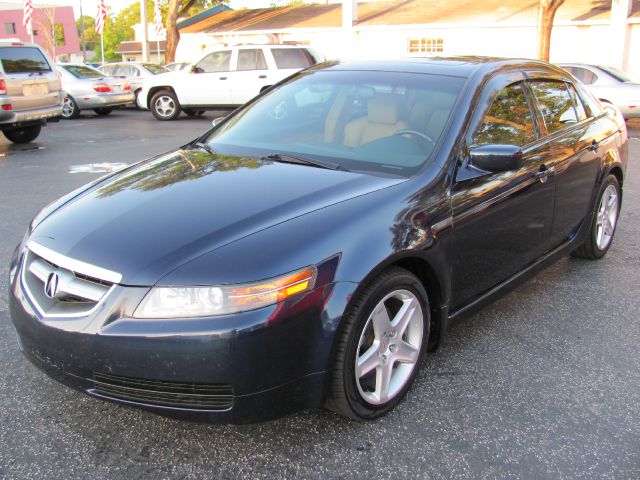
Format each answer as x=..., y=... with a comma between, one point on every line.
x=383, y=109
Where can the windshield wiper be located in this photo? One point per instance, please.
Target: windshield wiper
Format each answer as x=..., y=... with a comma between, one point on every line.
x=205, y=147
x=281, y=158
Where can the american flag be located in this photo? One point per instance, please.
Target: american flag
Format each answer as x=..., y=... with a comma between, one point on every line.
x=28, y=13
x=157, y=18
x=101, y=17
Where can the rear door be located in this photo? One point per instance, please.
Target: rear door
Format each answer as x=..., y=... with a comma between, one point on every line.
x=32, y=82
x=289, y=60
x=250, y=76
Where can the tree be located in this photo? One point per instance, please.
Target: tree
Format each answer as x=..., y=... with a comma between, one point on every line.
x=175, y=10
x=91, y=38
x=546, y=12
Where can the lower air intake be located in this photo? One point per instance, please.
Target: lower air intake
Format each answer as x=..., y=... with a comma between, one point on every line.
x=166, y=394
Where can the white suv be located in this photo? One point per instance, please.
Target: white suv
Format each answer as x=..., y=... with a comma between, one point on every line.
x=225, y=77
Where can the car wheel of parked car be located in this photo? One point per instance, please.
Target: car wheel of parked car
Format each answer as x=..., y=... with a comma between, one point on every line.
x=70, y=108
x=165, y=106
x=603, y=226
x=139, y=99
x=383, y=339
x=194, y=113
x=24, y=134
x=103, y=111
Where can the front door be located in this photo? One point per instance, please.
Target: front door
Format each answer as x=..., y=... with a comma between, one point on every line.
x=501, y=221
x=209, y=84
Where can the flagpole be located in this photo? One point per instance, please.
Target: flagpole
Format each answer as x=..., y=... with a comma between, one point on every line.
x=102, y=45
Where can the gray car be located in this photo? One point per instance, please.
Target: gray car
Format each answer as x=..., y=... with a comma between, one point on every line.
x=609, y=85
x=86, y=88
x=135, y=72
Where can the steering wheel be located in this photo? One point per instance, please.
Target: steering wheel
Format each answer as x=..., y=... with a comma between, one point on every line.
x=279, y=111
x=408, y=131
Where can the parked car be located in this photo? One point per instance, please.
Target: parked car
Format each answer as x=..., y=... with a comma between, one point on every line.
x=86, y=88
x=30, y=93
x=225, y=77
x=172, y=67
x=134, y=72
x=322, y=239
x=610, y=86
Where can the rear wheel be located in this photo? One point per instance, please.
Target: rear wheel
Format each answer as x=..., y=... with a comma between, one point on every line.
x=139, y=100
x=380, y=347
x=165, y=106
x=605, y=220
x=103, y=111
x=70, y=108
x=24, y=134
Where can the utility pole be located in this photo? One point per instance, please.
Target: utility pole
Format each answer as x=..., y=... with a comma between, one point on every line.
x=145, y=36
x=84, y=47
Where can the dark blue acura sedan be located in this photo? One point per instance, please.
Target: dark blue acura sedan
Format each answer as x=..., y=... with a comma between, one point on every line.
x=311, y=248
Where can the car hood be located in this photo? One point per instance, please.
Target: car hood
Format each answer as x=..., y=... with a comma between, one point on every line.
x=157, y=215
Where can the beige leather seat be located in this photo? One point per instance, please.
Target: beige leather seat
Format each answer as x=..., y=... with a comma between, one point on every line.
x=381, y=121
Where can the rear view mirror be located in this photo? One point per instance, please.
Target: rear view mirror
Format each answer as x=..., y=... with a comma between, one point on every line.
x=496, y=158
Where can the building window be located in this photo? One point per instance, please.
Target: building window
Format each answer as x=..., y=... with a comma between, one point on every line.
x=426, y=45
x=35, y=32
x=10, y=28
x=59, y=33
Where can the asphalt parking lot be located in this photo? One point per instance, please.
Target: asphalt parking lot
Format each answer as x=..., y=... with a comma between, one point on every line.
x=545, y=383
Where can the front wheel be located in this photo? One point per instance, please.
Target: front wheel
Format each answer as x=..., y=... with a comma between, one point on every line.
x=165, y=106
x=603, y=226
x=103, y=111
x=380, y=346
x=24, y=134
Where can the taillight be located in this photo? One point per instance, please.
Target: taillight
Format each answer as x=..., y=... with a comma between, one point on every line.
x=101, y=88
x=126, y=87
x=6, y=106
x=3, y=86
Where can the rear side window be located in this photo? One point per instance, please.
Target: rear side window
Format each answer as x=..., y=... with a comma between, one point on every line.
x=581, y=111
x=555, y=104
x=508, y=121
x=216, y=62
x=292, y=58
x=23, y=60
x=585, y=76
x=251, y=59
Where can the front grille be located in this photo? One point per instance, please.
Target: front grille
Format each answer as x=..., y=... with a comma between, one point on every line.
x=76, y=292
x=167, y=394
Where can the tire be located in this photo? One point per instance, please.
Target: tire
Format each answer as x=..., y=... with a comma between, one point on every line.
x=70, y=108
x=605, y=220
x=165, y=105
x=358, y=395
x=138, y=99
x=194, y=113
x=24, y=134
x=103, y=111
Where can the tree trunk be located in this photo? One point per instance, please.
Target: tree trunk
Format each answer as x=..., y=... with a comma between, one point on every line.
x=546, y=12
x=173, y=35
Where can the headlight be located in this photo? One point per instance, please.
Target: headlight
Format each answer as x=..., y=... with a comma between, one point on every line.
x=180, y=302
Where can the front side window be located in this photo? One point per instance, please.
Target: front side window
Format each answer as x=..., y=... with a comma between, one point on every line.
x=375, y=122
x=555, y=104
x=215, y=62
x=251, y=59
x=23, y=60
x=292, y=58
x=508, y=121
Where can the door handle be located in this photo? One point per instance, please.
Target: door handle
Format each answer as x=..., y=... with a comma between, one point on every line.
x=594, y=146
x=544, y=173
x=262, y=76
x=223, y=78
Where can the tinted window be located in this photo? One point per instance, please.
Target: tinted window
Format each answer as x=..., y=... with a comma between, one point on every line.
x=23, y=60
x=577, y=103
x=126, y=71
x=155, y=69
x=216, y=62
x=555, y=104
x=82, y=71
x=508, y=120
x=618, y=75
x=251, y=59
x=585, y=76
x=292, y=57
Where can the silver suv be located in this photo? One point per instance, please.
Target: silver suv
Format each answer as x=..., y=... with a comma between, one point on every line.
x=30, y=93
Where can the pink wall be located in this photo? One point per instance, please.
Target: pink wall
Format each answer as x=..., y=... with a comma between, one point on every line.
x=63, y=15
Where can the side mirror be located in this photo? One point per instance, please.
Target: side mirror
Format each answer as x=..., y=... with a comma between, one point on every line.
x=216, y=121
x=496, y=158
x=195, y=69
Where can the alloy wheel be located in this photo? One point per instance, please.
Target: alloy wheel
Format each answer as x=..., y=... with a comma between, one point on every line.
x=165, y=106
x=607, y=217
x=68, y=107
x=389, y=347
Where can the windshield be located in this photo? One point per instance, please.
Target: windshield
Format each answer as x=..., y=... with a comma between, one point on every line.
x=618, y=75
x=155, y=69
x=83, y=71
x=383, y=122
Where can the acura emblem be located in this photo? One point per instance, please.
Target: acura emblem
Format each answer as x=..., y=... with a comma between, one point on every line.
x=52, y=285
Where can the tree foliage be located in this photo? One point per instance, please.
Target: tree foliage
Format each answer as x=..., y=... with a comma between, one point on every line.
x=177, y=9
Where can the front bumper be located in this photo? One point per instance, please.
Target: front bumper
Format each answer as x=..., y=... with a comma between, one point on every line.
x=273, y=359
x=104, y=100
x=16, y=118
